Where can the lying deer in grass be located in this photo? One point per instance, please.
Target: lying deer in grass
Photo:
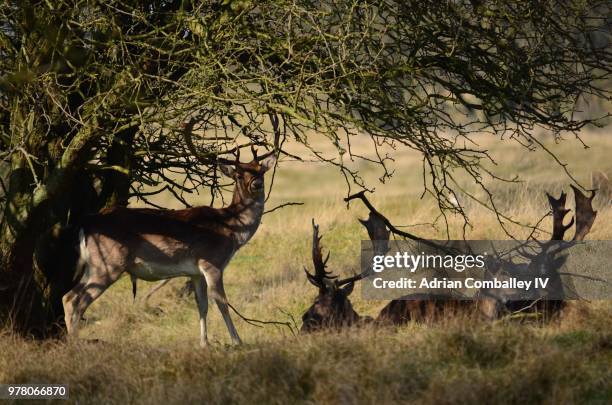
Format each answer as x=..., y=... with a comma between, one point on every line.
x=491, y=305
x=154, y=244
x=332, y=308
x=549, y=251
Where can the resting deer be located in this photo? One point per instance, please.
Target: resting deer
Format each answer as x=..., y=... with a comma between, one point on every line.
x=157, y=244
x=333, y=309
x=582, y=221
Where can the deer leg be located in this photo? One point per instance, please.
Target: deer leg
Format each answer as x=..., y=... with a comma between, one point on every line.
x=68, y=301
x=201, y=297
x=214, y=279
x=221, y=301
x=77, y=300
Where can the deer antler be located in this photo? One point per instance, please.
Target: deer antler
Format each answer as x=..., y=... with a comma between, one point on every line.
x=585, y=215
x=379, y=235
x=207, y=158
x=559, y=212
x=211, y=158
x=318, y=279
x=276, y=147
x=275, y=127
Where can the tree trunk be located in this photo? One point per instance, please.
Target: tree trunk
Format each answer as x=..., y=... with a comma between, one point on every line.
x=37, y=243
x=39, y=238
x=25, y=290
x=116, y=182
x=38, y=253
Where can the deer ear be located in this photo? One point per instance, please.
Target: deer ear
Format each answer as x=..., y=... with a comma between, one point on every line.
x=348, y=289
x=228, y=170
x=268, y=163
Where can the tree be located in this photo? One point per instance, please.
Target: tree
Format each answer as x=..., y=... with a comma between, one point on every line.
x=99, y=99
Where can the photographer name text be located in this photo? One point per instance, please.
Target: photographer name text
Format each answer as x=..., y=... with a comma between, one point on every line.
x=435, y=283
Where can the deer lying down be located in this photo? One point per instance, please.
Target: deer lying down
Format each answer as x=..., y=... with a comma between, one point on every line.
x=583, y=222
x=489, y=306
x=332, y=308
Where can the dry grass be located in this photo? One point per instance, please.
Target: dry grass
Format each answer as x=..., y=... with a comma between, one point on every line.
x=149, y=354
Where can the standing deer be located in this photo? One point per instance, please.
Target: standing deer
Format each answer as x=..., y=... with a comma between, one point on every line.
x=332, y=308
x=157, y=244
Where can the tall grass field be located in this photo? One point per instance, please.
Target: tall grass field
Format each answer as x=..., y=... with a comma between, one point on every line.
x=132, y=352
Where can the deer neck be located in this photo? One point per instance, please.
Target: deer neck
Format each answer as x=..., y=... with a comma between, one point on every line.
x=247, y=212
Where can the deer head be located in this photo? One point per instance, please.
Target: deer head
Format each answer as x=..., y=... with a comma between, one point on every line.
x=249, y=177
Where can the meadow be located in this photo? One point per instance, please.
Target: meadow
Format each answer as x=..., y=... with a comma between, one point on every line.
x=137, y=352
